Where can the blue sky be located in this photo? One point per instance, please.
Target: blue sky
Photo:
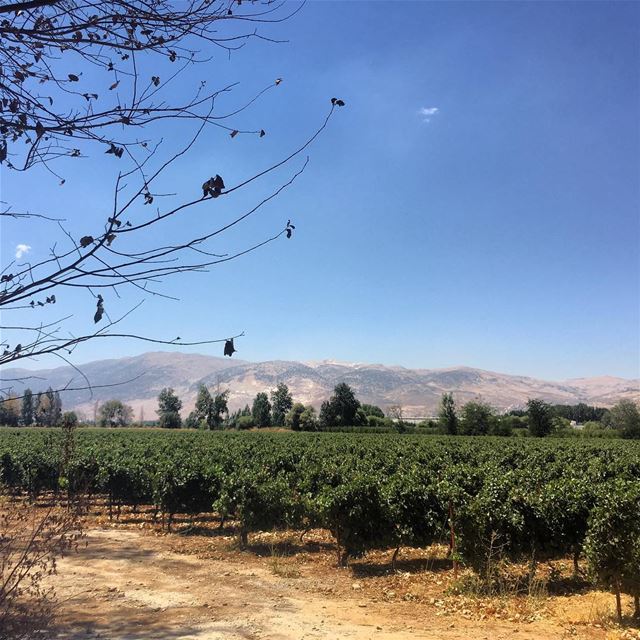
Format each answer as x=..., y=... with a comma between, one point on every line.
x=477, y=201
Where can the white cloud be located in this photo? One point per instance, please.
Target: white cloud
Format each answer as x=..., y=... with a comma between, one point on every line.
x=21, y=250
x=428, y=112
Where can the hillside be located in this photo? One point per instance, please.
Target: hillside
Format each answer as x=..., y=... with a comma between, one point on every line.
x=138, y=380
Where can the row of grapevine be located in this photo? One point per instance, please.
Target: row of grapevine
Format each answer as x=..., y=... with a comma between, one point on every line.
x=539, y=499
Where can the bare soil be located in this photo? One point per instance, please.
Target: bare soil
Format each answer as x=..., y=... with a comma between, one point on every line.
x=131, y=581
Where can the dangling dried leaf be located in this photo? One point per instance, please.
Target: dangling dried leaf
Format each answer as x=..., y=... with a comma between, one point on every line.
x=234, y=133
x=116, y=151
x=39, y=129
x=114, y=85
x=289, y=229
x=73, y=77
x=262, y=133
x=85, y=241
x=340, y=103
x=229, y=349
x=213, y=187
x=99, y=310
x=218, y=183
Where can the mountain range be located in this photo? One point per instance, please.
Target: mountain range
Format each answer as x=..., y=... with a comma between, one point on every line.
x=137, y=381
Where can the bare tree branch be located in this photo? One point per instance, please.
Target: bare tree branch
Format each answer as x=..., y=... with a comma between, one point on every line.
x=54, y=105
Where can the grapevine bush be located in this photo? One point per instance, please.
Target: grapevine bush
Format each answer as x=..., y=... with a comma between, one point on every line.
x=536, y=499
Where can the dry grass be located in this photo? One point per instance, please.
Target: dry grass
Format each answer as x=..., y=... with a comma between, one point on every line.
x=281, y=565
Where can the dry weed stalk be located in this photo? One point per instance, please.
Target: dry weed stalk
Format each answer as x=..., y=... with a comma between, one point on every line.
x=32, y=539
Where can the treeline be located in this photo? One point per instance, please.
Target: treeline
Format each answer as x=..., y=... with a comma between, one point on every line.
x=276, y=409
x=39, y=409
x=540, y=419
x=341, y=412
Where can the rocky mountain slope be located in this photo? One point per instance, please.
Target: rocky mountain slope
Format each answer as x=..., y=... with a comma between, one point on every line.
x=138, y=380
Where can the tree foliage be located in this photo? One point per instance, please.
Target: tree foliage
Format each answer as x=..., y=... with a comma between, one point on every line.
x=447, y=416
x=169, y=406
x=48, y=408
x=114, y=413
x=27, y=409
x=372, y=410
x=341, y=410
x=477, y=419
x=261, y=410
x=580, y=412
x=69, y=420
x=624, y=417
x=292, y=420
x=210, y=411
x=281, y=403
x=539, y=418
x=10, y=412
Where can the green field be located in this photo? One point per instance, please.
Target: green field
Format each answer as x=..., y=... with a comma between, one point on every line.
x=537, y=499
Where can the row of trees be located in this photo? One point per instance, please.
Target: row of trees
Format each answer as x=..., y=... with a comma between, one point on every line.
x=45, y=410
x=41, y=409
x=276, y=409
x=342, y=409
x=540, y=418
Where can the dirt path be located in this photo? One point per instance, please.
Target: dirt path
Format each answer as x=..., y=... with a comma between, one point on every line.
x=130, y=585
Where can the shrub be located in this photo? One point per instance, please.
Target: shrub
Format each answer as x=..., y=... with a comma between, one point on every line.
x=245, y=422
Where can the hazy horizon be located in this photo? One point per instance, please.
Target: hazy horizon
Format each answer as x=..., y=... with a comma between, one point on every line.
x=34, y=366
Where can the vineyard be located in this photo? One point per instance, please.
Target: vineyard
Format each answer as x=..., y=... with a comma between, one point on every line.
x=533, y=500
